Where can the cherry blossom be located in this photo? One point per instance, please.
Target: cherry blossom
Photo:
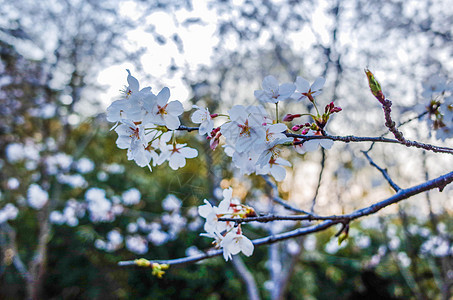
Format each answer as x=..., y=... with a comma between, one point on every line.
x=176, y=155
x=304, y=90
x=275, y=131
x=273, y=92
x=201, y=116
x=163, y=113
x=274, y=168
x=36, y=196
x=234, y=242
x=246, y=130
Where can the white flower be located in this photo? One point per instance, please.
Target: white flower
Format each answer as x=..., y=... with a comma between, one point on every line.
x=98, y=205
x=134, y=86
x=275, y=131
x=201, y=116
x=275, y=168
x=176, y=155
x=171, y=203
x=131, y=196
x=212, y=214
x=13, y=183
x=56, y=217
x=158, y=237
x=124, y=109
x=137, y=244
x=74, y=181
x=9, y=212
x=304, y=90
x=234, y=242
x=36, y=196
x=115, y=239
x=85, y=165
x=246, y=130
x=312, y=145
x=128, y=133
x=271, y=152
x=163, y=113
x=132, y=107
x=15, y=152
x=132, y=136
x=273, y=92
x=245, y=161
x=214, y=235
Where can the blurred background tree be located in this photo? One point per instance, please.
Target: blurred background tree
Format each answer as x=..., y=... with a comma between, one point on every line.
x=54, y=57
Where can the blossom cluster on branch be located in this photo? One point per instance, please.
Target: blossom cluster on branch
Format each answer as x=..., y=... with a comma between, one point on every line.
x=147, y=123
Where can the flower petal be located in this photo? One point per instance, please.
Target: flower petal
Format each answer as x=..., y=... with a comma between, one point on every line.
x=132, y=81
x=270, y=83
x=172, y=122
x=318, y=84
x=302, y=85
x=188, y=152
x=175, y=108
x=246, y=246
x=286, y=90
x=163, y=96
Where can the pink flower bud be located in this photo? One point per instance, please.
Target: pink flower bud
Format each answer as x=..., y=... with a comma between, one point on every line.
x=290, y=117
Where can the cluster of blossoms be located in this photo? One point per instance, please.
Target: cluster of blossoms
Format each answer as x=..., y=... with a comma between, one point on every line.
x=146, y=123
x=226, y=235
x=439, y=91
x=143, y=121
x=250, y=135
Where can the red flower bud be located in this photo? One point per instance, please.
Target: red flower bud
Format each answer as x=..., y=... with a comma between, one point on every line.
x=296, y=127
x=290, y=117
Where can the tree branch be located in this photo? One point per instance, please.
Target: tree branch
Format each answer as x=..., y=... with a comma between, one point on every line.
x=384, y=172
x=439, y=182
x=351, y=138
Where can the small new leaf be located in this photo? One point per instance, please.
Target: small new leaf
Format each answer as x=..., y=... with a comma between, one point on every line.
x=142, y=262
x=343, y=236
x=375, y=87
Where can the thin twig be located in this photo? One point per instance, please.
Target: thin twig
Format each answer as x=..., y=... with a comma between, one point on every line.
x=279, y=200
x=186, y=128
x=323, y=163
x=384, y=172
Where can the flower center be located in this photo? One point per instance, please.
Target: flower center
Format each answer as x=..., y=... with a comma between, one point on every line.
x=135, y=133
x=162, y=110
x=245, y=129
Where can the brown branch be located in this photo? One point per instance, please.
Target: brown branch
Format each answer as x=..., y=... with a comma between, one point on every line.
x=351, y=138
x=384, y=172
x=439, y=182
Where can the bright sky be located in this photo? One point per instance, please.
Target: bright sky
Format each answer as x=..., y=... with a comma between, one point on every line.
x=198, y=41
